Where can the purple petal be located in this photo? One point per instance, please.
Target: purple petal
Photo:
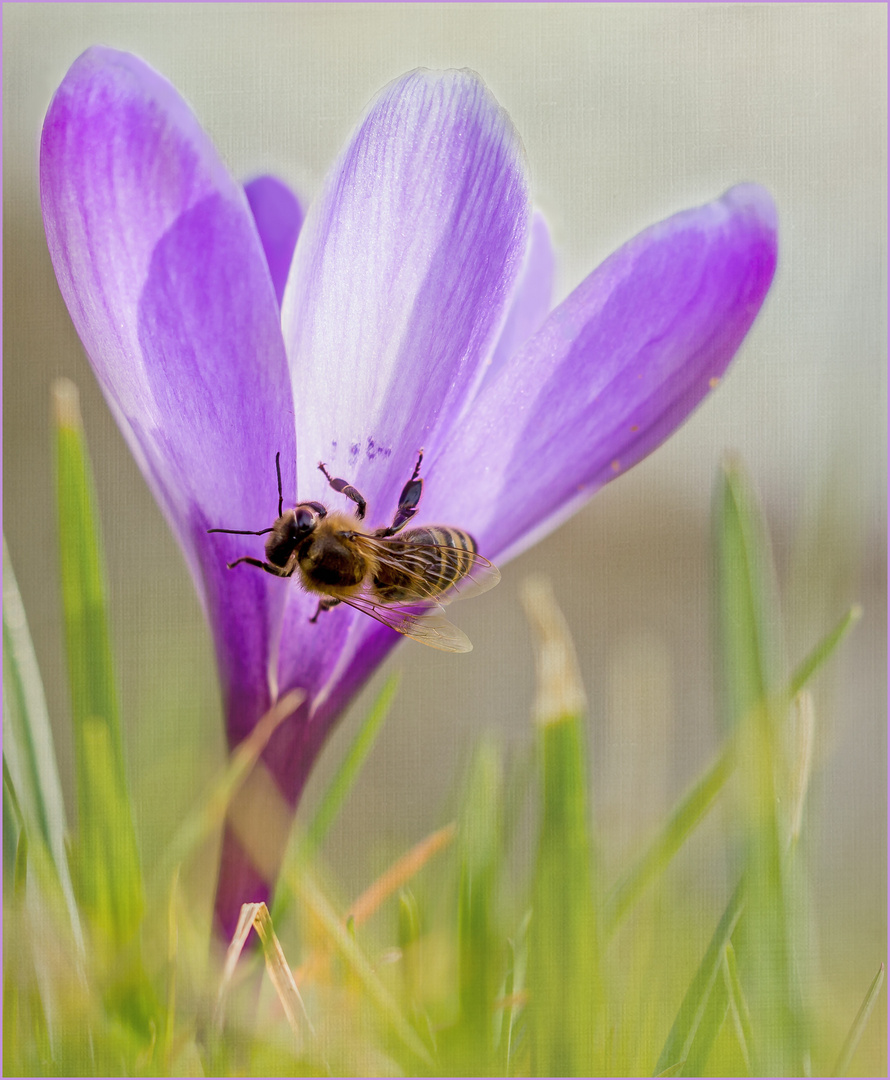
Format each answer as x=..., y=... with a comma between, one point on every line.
x=159, y=262
x=401, y=278
x=278, y=216
x=531, y=300
x=614, y=370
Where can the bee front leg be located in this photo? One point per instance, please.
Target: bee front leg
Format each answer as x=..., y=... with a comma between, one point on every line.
x=277, y=571
x=324, y=605
x=346, y=489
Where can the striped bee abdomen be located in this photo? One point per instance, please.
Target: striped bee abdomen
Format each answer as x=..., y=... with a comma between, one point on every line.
x=423, y=563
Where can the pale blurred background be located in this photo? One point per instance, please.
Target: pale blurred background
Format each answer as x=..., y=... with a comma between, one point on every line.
x=628, y=113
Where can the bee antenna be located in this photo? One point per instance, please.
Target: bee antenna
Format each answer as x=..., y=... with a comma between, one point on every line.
x=278, y=471
x=244, y=532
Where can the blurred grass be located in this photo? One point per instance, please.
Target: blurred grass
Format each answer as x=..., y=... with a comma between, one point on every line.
x=472, y=953
x=755, y=712
x=107, y=866
x=565, y=960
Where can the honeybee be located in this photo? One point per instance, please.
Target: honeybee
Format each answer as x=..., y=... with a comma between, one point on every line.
x=402, y=581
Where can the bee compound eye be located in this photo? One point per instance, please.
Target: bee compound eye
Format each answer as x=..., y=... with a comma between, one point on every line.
x=304, y=518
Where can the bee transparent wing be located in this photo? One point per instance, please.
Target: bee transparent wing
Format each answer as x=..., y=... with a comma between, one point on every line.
x=482, y=576
x=423, y=622
x=411, y=563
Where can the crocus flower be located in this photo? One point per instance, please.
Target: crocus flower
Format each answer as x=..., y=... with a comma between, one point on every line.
x=414, y=312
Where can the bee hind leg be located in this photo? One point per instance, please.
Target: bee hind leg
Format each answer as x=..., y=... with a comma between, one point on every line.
x=408, y=501
x=324, y=605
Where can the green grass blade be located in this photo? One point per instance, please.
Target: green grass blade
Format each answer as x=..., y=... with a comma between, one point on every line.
x=802, y=732
x=19, y=875
x=710, y=1024
x=513, y=1011
x=26, y=1039
x=694, y=1006
x=726, y=1000
x=747, y=620
x=411, y=947
x=480, y=951
x=108, y=876
x=825, y=649
x=12, y=826
x=41, y=937
x=565, y=974
x=738, y=1006
x=350, y=767
x=855, y=1032
x=679, y=824
x=105, y=859
x=756, y=711
x=304, y=843
x=28, y=743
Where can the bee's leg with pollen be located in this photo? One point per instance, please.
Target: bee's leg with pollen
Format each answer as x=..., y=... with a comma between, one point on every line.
x=346, y=489
x=268, y=567
x=408, y=501
x=324, y=605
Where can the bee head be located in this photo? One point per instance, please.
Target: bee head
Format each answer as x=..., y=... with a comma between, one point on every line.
x=291, y=529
